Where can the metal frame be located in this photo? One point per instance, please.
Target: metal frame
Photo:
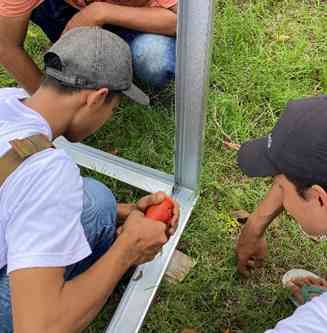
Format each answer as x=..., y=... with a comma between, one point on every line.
x=193, y=53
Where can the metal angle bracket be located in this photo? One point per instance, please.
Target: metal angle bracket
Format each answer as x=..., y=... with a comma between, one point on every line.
x=137, y=175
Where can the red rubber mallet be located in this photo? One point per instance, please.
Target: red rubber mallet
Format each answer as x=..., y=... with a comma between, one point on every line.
x=162, y=212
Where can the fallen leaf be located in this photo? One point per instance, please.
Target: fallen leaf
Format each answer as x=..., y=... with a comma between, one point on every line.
x=188, y=330
x=114, y=152
x=232, y=146
x=283, y=38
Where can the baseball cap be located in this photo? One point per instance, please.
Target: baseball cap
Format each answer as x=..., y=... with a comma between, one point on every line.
x=93, y=58
x=296, y=147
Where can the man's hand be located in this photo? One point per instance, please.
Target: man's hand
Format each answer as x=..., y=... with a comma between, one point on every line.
x=141, y=239
x=155, y=199
x=86, y=17
x=251, y=248
x=124, y=210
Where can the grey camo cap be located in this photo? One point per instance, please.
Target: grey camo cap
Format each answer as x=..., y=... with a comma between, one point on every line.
x=93, y=58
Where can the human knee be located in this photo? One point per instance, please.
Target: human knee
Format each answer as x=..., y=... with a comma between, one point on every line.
x=101, y=203
x=154, y=59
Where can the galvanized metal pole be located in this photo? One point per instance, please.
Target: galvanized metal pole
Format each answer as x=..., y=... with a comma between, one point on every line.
x=193, y=58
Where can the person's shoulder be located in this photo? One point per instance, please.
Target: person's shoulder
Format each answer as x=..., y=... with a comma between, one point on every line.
x=308, y=103
x=54, y=163
x=12, y=92
x=51, y=167
x=51, y=175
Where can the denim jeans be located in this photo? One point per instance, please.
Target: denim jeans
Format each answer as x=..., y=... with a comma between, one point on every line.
x=99, y=223
x=154, y=56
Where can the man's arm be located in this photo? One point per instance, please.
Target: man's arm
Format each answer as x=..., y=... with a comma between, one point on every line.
x=251, y=246
x=268, y=209
x=12, y=54
x=44, y=303
x=152, y=20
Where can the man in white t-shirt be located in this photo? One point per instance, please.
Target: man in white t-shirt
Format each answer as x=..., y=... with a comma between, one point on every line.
x=59, y=261
x=295, y=153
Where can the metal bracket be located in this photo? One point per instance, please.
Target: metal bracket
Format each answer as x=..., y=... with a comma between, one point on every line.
x=137, y=175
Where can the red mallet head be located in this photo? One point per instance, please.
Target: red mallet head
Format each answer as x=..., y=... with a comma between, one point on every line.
x=162, y=212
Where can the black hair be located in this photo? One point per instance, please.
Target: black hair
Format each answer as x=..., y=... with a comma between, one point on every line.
x=61, y=88
x=303, y=185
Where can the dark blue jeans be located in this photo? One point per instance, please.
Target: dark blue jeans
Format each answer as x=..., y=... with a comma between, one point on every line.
x=99, y=223
x=154, y=56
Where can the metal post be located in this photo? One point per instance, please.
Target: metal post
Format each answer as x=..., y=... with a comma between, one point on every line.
x=195, y=30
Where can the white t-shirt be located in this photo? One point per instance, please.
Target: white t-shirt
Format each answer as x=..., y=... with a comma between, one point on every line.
x=308, y=318
x=40, y=202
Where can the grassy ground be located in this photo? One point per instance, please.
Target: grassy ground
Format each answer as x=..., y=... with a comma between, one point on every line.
x=265, y=53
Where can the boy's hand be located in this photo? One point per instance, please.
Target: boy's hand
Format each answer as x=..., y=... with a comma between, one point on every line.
x=124, y=210
x=251, y=248
x=155, y=199
x=141, y=238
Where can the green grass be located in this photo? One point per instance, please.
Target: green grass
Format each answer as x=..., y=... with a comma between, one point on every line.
x=255, y=71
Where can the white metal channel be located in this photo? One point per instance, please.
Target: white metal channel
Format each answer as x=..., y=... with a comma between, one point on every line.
x=193, y=59
x=145, y=282
x=139, y=176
